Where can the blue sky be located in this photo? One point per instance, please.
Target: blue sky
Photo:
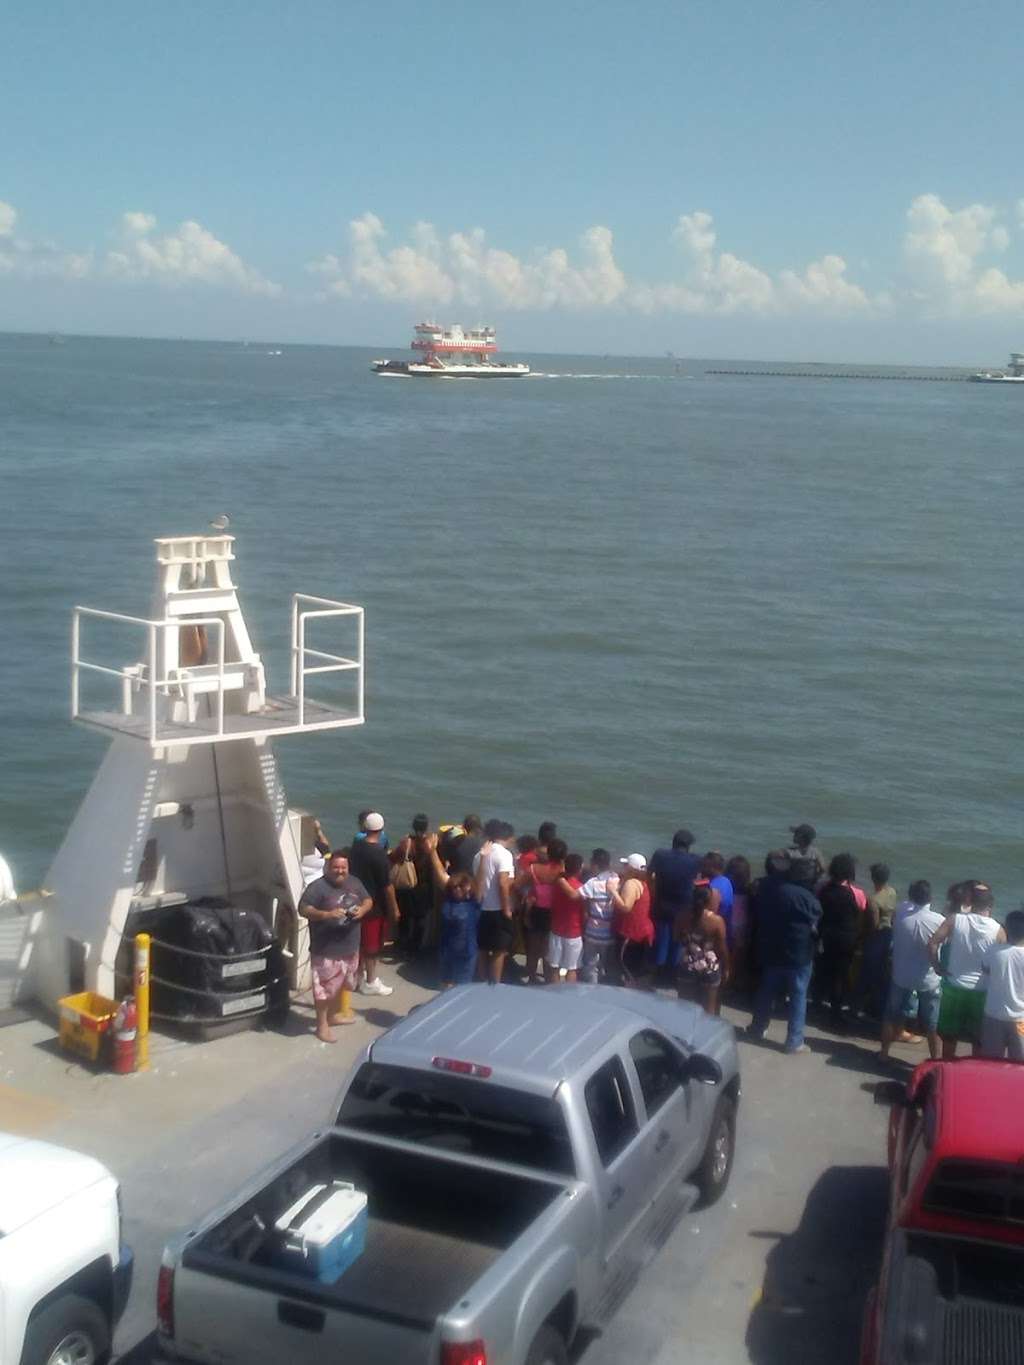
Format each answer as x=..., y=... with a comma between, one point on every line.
x=794, y=181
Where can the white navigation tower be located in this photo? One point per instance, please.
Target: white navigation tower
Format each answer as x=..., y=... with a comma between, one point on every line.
x=187, y=801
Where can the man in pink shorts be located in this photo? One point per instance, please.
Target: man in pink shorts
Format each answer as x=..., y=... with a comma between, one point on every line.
x=334, y=905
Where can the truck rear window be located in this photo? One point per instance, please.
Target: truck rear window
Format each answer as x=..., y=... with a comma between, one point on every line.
x=977, y=1189
x=458, y=1114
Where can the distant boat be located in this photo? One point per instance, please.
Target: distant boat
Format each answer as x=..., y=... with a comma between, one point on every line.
x=1013, y=374
x=56, y=339
x=451, y=353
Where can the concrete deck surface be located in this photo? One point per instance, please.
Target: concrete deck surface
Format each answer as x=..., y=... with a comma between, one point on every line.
x=776, y=1272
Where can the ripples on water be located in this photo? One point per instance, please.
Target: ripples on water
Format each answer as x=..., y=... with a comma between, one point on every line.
x=730, y=603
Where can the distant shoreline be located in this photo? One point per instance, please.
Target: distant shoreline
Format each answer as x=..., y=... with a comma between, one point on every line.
x=721, y=363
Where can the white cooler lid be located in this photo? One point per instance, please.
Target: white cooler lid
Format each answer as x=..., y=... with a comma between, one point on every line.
x=331, y=1218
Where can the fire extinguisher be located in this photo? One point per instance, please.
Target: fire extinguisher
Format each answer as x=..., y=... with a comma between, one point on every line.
x=123, y=1035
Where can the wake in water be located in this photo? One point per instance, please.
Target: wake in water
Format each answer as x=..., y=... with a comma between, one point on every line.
x=540, y=374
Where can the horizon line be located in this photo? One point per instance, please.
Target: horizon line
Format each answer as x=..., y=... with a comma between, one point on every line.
x=49, y=333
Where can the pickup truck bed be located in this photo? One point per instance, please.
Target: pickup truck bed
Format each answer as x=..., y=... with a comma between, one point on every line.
x=963, y=1300
x=434, y=1228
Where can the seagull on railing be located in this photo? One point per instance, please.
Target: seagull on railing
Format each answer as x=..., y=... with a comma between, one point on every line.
x=220, y=523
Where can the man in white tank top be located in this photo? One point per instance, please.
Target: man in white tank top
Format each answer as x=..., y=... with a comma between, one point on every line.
x=1002, y=1029
x=970, y=934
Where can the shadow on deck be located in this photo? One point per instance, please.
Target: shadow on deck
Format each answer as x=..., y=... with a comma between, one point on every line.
x=817, y=1278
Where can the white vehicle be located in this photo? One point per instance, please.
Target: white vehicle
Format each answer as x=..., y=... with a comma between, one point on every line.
x=64, y=1271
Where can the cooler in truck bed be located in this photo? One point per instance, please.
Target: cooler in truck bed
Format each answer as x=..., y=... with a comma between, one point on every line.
x=434, y=1227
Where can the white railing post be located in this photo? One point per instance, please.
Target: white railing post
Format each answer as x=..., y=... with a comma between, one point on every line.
x=295, y=643
x=220, y=676
x=302, y=668
x=75, y=639
x=361, y=674
x=152, y=683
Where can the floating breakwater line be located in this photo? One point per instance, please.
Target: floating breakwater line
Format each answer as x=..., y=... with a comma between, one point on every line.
x=843, y=374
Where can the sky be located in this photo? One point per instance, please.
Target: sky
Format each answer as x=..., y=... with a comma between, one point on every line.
x=751, y=181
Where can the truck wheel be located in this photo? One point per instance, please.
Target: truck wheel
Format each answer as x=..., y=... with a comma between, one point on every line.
x=712, y=1175
x=548, y=1349
x=70, y=1331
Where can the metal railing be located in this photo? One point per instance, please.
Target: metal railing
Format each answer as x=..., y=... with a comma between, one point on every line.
x=130, y=677
x=218, y=676
x=336, y=663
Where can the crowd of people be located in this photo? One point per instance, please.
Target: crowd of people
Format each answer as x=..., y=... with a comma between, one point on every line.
x=802, y=930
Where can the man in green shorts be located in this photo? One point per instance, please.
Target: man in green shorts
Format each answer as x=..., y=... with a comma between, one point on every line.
x=970, y=934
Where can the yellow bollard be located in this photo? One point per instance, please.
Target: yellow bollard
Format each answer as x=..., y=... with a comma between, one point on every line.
x=141, y=985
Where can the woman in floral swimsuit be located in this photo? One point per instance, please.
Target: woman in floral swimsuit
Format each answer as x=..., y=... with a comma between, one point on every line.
x=704, y=955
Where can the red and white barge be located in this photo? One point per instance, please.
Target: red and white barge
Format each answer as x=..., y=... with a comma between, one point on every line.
x=452, y=353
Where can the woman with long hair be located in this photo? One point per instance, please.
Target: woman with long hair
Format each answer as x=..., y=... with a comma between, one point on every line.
x=843, y=907
x=412, y=875
x=704, y=951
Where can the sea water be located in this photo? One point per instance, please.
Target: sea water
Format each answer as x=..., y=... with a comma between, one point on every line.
x=623, y=594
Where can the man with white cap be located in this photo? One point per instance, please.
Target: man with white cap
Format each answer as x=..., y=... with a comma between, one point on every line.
x=369, y=863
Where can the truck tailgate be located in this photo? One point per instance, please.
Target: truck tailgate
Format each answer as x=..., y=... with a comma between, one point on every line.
x=222, y=1322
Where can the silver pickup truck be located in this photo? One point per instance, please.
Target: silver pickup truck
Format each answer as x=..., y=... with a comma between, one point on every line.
x=523, y=1155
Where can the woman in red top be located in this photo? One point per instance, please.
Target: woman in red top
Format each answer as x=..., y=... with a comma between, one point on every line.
x=536, y=884
x=565, y=942
x=634, y=927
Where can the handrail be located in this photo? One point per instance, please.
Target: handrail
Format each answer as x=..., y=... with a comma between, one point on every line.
x=325, y=608
x=305, y=660
x=151, y=681
x=335, y=658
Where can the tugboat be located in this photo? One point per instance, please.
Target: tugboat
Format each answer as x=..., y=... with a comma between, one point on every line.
x=452, y=353
x=1013, y=374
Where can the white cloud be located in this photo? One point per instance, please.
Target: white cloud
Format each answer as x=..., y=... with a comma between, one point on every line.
x=994, y=292
x=942, y=245
x=191, y=254
x=138, y=222
x=465, y=268
x=409, y=272
x=943, y=248
x=549, y=280
x=949, y=256
x=823, y=284
x=35, y=260
x=719, y=282
x=333, y=270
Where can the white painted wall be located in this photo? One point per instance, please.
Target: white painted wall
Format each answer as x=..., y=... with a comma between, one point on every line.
x=169, y=796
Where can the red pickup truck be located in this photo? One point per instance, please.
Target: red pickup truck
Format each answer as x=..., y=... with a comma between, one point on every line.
x=951, y=1290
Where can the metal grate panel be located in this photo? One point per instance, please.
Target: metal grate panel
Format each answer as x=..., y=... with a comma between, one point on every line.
x=983, y=1332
